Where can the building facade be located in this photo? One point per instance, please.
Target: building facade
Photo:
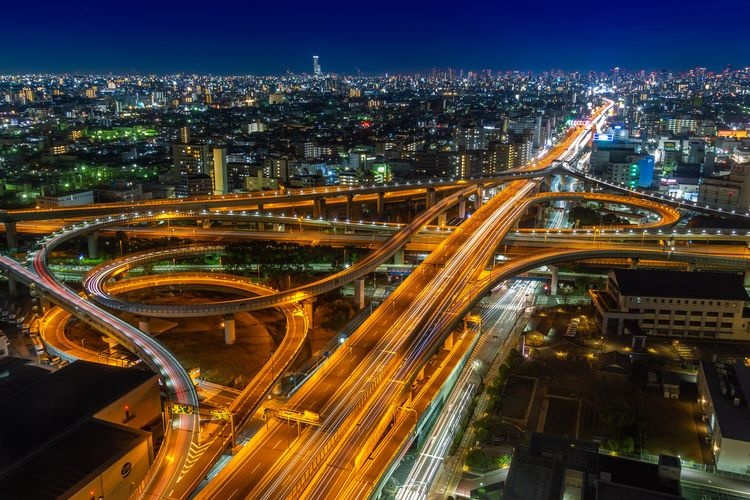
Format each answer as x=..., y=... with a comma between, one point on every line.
x=696, y=305
x=722, y=394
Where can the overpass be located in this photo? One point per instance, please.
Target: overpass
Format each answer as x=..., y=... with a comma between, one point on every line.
x=383, y=356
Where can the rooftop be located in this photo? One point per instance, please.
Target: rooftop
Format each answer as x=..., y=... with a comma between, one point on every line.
x=681, y=284
x=66, y=464
x=734, y=421
x=56, y=403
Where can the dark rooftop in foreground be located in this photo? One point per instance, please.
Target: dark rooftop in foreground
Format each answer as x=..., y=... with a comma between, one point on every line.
x=93, y=446
x=681, y=284
x=540, y=470
x=57, y=403
x=733, y=420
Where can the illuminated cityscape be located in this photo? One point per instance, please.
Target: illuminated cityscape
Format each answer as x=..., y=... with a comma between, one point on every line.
x=348, y=267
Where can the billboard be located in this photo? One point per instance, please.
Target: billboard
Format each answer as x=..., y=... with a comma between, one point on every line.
x=737, y=134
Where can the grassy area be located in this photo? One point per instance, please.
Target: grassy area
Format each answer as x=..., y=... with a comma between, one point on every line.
x=669, y=427
x=516, y=397
x=562, y=417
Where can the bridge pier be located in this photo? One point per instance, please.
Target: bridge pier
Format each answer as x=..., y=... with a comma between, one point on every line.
x=307, y=304
x=230, y=334
x=11, y=235
x=319, y=208
x=448, y=343
x=259, y=207
x=431, y=198
x=553, y=281
x=206, y=223
x=480, y=196
x=359, y=293
x=143, y=325
x=380, y=205
x=539, y=214
x=93, y=246
x=747, y=277
x=12, y=287
x=349, y=206
x=442, y=219
x=398, y=257
x=462, y=207
x=420, y=375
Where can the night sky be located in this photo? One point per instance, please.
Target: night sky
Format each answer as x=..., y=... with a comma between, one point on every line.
x=377, y=36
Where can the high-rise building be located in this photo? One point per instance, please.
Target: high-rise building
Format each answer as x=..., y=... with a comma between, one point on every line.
x=185, y=135
x=221, y=186
x=190, y=159
x=316, y=66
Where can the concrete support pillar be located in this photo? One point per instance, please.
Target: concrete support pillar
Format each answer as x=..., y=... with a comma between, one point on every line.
x=319, y=207
x=259, y=207
x=230, y=335
x=442, y=219
x=398, y=257
x=480, y=195
x=747, y=277
x=638, y=342
x=462, y=207
x=539, y=214
x=634, y=262
x=546, y=183
x=12, y=288
x=93, y=245
x=359, y=293
x=420, y=375
x=278, y=228
x=308, y=306
x=380, y=207
x=11, y=235
x=206, y=223
x=691, y=267
x=349, y=206
x=448, y=344
x=553, y=281
x=431, y=197
x=143, y=325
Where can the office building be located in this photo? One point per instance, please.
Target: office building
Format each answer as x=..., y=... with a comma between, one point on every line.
x=723, y=390
x=190, y=159
x=221, y=184
x=316, y=66
x=185, y=135
x=552, y=467
x=194, y=185
x=72, y=199
x=83, y=431
x=696, y=305
x=728, y=192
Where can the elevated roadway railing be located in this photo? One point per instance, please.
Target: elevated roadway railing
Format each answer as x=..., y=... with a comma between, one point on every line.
x=358, y=270
x=654, y=196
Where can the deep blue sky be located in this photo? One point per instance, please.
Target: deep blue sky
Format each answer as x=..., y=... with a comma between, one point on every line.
x=376, y=36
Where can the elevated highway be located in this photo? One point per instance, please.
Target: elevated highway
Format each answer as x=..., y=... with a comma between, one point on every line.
x=322, y=461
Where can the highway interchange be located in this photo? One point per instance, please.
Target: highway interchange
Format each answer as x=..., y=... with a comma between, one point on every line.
x=362, y=386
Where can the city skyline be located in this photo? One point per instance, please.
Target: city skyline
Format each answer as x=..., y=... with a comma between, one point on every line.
x=391, y=38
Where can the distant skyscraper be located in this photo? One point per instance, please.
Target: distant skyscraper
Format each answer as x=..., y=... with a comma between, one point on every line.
x=190, y=159
x=316, y=66
x=220, y=171
x=185, y=135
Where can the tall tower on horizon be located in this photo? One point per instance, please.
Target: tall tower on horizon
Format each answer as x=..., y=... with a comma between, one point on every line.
x=316, y=66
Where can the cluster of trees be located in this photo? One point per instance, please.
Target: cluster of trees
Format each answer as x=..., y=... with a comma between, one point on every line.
x=622, y=420
x=284, y=265
x=585, y=215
